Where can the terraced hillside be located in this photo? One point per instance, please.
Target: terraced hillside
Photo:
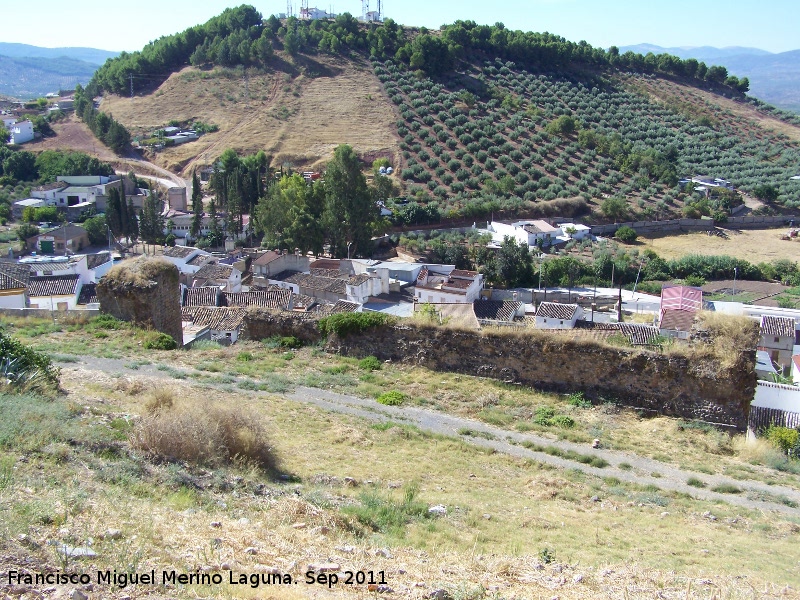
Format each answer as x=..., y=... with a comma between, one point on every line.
x=476, y=119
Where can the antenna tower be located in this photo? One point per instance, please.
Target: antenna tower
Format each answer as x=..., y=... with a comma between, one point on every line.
x=303, y=9
x=288, y=8
x=364, y=9
x=380, y=10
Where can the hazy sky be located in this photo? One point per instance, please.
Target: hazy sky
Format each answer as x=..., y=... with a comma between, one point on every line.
x=768, y=24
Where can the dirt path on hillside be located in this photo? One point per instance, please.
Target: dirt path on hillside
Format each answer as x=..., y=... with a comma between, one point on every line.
x=639, y=470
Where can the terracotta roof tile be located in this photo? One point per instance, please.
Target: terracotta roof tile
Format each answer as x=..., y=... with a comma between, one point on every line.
x=275, y=298
x=55, y=285
x=201, y=296
x=554, y=310
x=777, y=326
x=217, y=318
x=676, y=320
x=494, y=310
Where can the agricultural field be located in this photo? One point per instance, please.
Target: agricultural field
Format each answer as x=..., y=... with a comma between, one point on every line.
x=753, y=245
x=500, y=140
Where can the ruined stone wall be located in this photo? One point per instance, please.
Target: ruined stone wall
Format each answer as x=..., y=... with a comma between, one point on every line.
x=676, y=385
x=144, y=291
x=262, y=323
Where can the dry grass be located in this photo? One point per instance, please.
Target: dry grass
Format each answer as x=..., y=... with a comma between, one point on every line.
x=298, y=117
x=203, y=433
x=140, y=272
x=753, y=245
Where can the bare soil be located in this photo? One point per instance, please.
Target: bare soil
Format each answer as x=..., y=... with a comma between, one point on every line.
x=297, y=113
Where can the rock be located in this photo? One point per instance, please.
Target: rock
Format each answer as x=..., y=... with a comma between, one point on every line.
x=267, y=569
x=321, y=530
x=299, y=525
x=226, y=566
x=112, y=534
x=595, y=498
x=393, y=485
x=251, y=550
x=438, y=510
x=77, y=595
x=595, y=443
x=350, y=482
x=384, y=589
x=664, y=514
x=78, y=552
x=324, y=568
x=440, y=594
x=577, y=578
x=346, y=549
x=216, y=524
x=487, y=516
x=384, y=552
x=243, y=522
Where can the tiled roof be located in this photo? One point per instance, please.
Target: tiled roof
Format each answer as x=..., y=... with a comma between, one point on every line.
x=494, y=310
x=215, y=271
x=554, y=310
x=676, y=320
x=460, y=284
x=72, y=231
x=332, y=273
x=423, y=273
x=274, y=298
x=639, y=335
x=313, y=282
x=56, y=185
x=56, y=285
x=45, y=268
x=344, y=306
x=283, y=275
x=201, y=259
x=267, y=258
x=95, y=260
x=326, y=263
x=777, y=326
x=13, y=276
x=88, y=294
x=217, y=318
x=201, y=296
x=179, y=251
x=538, y=227
x=303, y=302
x=464, y=274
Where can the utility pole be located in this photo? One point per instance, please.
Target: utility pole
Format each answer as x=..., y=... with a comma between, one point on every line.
x=131, y=78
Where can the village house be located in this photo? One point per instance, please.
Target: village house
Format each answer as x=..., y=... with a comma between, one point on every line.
x=21, y=132
x=226, y=277
x=276, y=261
x=13, y=285
x=552, y=315
x=679, y=306
x=54, y=292
x=225, y=323
x=182, y=256
x=493, y=312
x=18, y=208
x=777, y=338
x=67, y=239
x=453, y=286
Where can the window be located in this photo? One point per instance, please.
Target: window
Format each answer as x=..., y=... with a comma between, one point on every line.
x=777, y=339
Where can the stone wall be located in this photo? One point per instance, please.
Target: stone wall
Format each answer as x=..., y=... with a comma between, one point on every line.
x=692, y=388
x=144, y=291
x=682, y=225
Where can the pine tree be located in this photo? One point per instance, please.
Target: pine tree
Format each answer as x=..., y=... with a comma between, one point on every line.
x=215, y=233
x=133, y=223
x=114, y=213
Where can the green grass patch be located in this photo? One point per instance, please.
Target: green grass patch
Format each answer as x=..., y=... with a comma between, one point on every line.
x=695, y=482
x=465, y=431
x=726, y=488
x=392, y=398
x=387, y=515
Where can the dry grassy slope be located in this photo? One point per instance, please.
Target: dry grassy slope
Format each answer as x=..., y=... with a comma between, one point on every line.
x=295, y=117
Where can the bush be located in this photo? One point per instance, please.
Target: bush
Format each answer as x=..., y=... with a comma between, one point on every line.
x=21, y=366
x=107, y=322
x=206, y=435
x=370, y=363
x=290, y=341
x=579, y=400
x=159, y=341
x=392, y=398
x=343, y=324
x=783, y=438
x=626, y=234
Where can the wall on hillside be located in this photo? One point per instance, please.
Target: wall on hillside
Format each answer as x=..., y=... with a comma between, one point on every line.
x=144, y=291
x=677, y=225
x=262, y=323
x=658, y=384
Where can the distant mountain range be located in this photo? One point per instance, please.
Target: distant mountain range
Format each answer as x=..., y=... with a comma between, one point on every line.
x=30, y=71
x=774, y=78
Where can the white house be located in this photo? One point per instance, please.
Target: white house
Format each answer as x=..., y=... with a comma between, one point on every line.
x=21, y=132
x=532, y=233
x=449, y=287
x=313, y=14
x=183, y=258
x=777, y=338
x=19, y=206
x=552, y=315
x=774, y=404
x=13, y=285
x=218, y=275
x=796, y=369
x=225, y=322
x=276, y=261
x=54, y=292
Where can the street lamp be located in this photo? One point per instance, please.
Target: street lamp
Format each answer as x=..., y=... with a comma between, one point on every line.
x=735, y=269
x=348, y=249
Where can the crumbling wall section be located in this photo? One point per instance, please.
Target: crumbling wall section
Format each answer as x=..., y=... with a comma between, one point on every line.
x=144, y=291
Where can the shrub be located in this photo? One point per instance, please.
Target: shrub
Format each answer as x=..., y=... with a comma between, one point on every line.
x=205, y=434
x=343, y=324
x=783, y=438
x=695, y=482
x=392, y=398
x=22, y=366
x=726, y=488
x=370, y=363
x=563, y=421
x=107, y=322
x=626, y=234
x=159, y=400
x=159, y=341
x=388, y=515
x=290, y=342
x=579, y=400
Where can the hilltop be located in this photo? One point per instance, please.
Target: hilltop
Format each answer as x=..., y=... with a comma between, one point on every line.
x=474, y=118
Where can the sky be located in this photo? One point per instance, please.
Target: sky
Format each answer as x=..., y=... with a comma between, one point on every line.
x=771, y=25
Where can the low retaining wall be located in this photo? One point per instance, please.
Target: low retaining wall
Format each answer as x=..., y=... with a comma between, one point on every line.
x=45, y=313
x=675, y=225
